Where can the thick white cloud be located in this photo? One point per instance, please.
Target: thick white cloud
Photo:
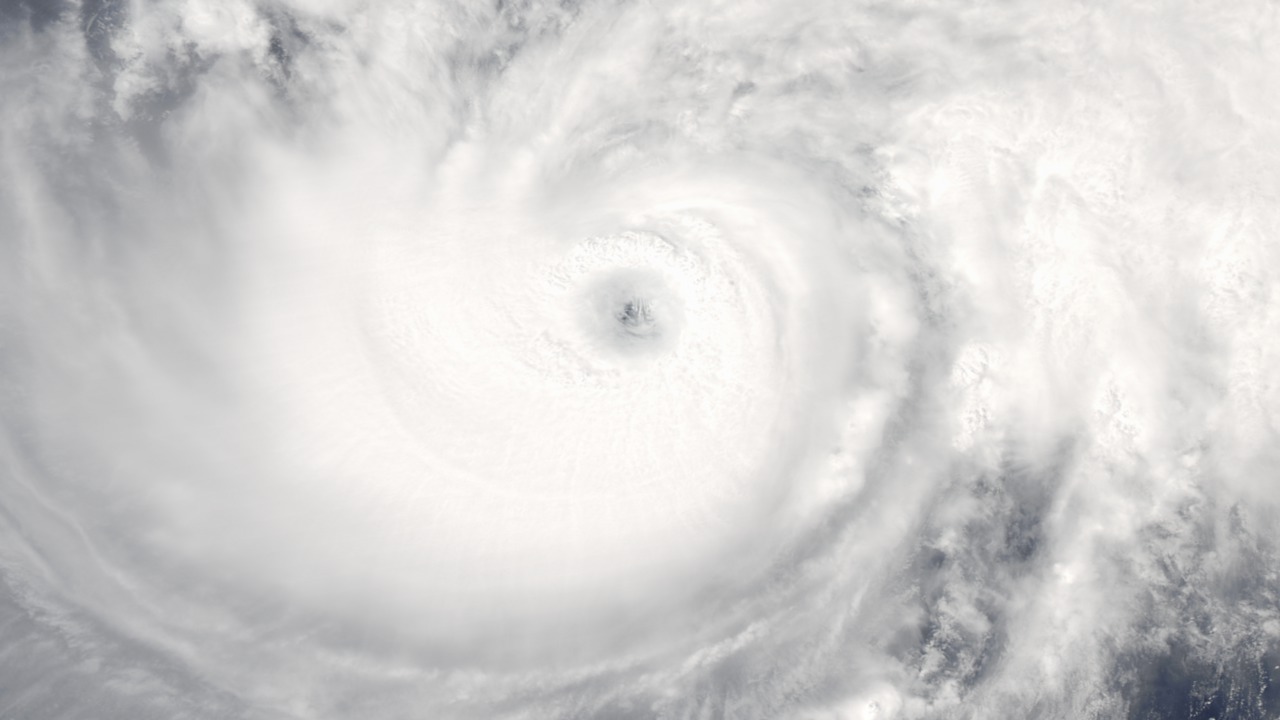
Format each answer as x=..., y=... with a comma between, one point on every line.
x=734, y=360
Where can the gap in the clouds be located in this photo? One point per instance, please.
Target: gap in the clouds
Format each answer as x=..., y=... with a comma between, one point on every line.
x=288, y=42
x=98, y=20
x=1207, y=643
x=1185, y=682
x=986, y=535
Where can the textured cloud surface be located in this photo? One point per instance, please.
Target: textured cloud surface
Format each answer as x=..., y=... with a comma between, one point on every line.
x=812, y=361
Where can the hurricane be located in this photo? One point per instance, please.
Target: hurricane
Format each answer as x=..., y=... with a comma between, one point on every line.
x=622, y=359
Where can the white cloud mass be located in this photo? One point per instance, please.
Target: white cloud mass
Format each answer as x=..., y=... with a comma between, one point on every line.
x=716, y=360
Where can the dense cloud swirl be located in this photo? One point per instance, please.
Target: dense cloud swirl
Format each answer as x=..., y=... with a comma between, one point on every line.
x=751, y=360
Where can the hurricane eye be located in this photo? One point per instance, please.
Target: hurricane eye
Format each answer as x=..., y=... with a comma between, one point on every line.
x=636, y=315
x=633, y=312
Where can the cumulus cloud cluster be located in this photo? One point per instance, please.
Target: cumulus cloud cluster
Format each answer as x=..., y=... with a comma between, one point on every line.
x=434, y=359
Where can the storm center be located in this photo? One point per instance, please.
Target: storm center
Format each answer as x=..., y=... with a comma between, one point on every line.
x=632, y=312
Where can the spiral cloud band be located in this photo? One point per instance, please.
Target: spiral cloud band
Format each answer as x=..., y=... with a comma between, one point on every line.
x=820, y=360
